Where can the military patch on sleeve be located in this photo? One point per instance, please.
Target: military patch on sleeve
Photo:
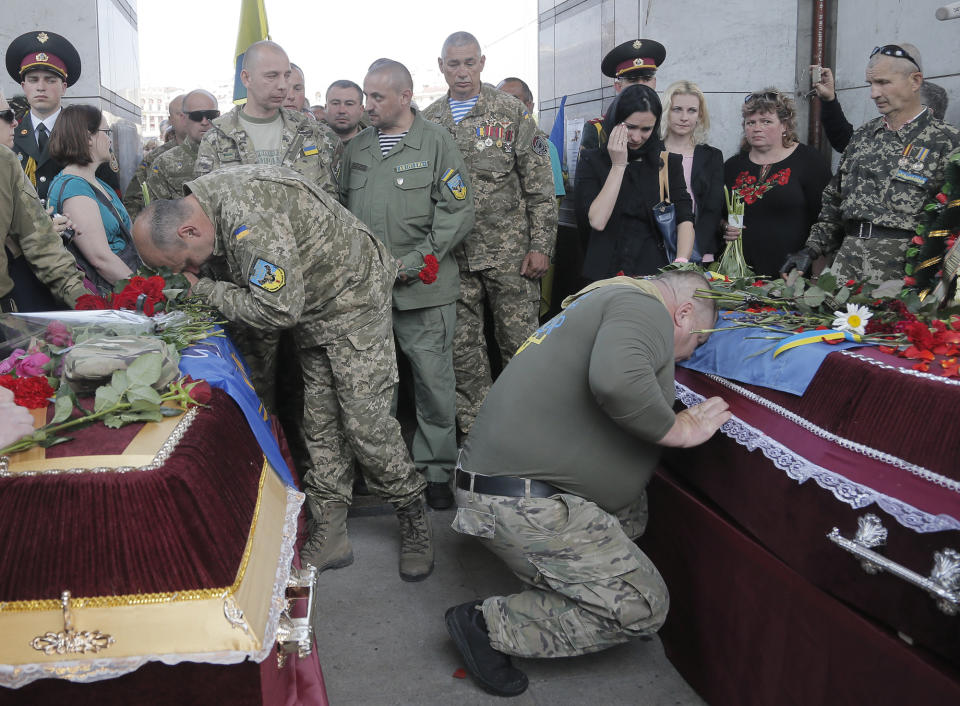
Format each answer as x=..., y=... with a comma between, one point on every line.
x=241, y=232
x=310, y=150
x=454, y=182
x=154, y=168
x=540, y=145
x=267, y=276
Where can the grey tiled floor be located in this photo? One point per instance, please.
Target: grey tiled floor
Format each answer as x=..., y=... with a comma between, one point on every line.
x=383, y=641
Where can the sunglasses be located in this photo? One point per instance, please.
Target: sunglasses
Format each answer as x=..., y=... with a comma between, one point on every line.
x=895, y=51
x=198, y=116
x=762, y=95
x=8, y=116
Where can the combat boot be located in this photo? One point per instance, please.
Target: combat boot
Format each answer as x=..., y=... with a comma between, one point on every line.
x=416, y=542
x=328, y=546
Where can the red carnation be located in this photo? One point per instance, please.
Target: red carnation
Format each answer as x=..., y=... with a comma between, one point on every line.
x=32, y=393
x=917, y=240
x=428, y=274
x=910, y=281
x=91, y=302
x=942, y=197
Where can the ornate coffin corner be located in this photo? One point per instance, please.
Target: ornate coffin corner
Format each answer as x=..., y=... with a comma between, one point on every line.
x=234, y=615
x=295, y=635
x=70, y=641
x=943, y=583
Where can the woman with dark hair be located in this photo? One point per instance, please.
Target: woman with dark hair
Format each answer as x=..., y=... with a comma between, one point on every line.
x=779, y=179
x=102, y=243
x=617, y=186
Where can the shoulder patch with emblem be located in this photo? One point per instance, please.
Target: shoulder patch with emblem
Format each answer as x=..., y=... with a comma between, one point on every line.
x=310, y=150
x=267, y=276
x=454, y=182
x=241, y=232
x=540, y=145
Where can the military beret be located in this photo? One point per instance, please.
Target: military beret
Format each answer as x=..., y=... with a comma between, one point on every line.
x=637, y=54
x=41, y=50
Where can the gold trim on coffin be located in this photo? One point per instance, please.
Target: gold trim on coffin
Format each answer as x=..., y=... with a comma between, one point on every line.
x=169, y=626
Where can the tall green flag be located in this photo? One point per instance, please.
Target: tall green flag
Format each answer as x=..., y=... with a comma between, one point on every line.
x=253, y=28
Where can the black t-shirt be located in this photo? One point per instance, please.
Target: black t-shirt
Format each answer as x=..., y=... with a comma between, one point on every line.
x=779, y=208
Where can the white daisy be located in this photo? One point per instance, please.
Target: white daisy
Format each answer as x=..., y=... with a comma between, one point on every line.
x=853, y=320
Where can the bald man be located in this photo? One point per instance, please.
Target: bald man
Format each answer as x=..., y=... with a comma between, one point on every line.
x=133, y=196
x=173, y=168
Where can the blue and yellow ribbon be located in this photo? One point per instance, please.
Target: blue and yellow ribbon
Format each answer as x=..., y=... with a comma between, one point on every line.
x=802, y=339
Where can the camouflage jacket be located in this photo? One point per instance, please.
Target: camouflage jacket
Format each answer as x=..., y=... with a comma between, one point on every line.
x=417, y=200
x=885, y=177
x=509, y=164
x=288, y=255
x=169, y=171
x=133, y=196
x=308, y=146
x=26, y=229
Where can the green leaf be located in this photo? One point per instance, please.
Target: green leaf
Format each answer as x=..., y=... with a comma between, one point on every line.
x=54, y=440
x=62, y=406
x=912, y=252
x=119, y=381
x=842, y=296
x=112, y=421
x=105, y=398
x=144, y=416
x=143, y=393
x=814, y=297
x=908, y=268
x=145, y=370
x=170, y=411
x=890, y=288
x=827, y=281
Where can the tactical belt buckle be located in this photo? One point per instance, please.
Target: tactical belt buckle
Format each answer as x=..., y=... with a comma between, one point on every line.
x=868, y=234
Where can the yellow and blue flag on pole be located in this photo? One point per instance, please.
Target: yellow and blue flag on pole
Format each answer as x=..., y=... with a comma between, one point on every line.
x=253, y=28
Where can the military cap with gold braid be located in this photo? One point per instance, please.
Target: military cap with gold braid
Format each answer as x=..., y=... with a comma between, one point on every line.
x=43, y=51
x=635, y=55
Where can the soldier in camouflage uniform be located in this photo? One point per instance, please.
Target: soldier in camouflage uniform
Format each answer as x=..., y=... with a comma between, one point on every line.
x=509, y=249
x=133, y=196
x=568, y=436
x=25, y=229
x=277, y=252
x=169, y=171
x=891, y=167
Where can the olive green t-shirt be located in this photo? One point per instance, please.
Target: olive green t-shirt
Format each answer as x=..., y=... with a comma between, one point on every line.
x=266, y=135
x=584, y=401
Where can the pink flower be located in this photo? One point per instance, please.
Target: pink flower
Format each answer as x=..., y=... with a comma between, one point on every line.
x=58, y=335
x=32, y=365
x=7, y=365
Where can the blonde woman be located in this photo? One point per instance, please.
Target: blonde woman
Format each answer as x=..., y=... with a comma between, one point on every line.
x=684, y=130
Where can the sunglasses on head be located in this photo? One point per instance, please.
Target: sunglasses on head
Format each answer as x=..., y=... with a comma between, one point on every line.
x=8, y=116
x=762, y=95
x=198, y=116
x=896, y=52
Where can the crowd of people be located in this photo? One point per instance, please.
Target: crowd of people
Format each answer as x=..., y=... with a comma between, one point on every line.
x=330, y=235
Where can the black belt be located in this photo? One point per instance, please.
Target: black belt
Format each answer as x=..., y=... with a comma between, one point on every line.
x=866, y=229
x=505, y=485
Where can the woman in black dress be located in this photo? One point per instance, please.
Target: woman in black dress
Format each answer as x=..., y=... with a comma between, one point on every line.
x=617, y=186
x=779, y=179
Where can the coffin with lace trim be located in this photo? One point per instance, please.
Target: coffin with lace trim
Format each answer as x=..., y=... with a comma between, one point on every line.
x=149, y=545
x=855, y=486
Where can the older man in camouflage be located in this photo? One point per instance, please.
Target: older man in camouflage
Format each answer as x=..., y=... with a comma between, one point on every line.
x=567, y=440
x=509, y=248
x=891, y=167
x=277, y=252
x=168, y=172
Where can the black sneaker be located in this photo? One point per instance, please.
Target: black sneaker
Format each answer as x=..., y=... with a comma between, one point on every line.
x=493, y=670
x=439, y=496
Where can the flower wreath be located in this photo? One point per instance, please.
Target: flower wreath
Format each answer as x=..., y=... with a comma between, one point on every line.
x=936, y=234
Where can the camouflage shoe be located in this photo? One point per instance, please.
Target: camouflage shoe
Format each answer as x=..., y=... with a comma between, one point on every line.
x=328, y=546
x=416, y=543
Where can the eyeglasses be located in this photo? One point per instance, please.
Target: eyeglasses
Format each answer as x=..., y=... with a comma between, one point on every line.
x=896, y=52
x=763, y=96
x=8, y=116
x=198, y=116
x=108, y=130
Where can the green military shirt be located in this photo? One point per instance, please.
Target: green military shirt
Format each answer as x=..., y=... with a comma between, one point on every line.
x=133, y=196
x=885, y=177
x=26, y=228
x=169, y=171
x=306, y=145
x=417, y=200
x=512, y=180
x=288, y=255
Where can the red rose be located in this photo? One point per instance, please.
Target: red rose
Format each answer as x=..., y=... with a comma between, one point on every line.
x=91, y=302
x=127, y=299
x=153, y=287
x=136, y=283
x=910, y=281
x=199, y=390
x=942, y=197
x=917, y=240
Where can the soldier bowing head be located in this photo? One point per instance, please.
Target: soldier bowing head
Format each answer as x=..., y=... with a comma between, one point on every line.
x=175, y=234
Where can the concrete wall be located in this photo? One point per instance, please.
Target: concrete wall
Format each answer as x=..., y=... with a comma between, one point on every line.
x=105, y=35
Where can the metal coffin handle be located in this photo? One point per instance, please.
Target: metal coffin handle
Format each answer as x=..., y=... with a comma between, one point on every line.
x=943, y=584
x=295, y=635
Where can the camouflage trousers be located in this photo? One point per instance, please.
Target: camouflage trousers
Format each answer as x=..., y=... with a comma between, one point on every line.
x=871, y=259
x=348, y=386
x=589, y=586
x=515, y=303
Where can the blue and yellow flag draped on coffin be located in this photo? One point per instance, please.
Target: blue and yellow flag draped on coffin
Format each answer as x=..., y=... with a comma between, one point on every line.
x=253, y=28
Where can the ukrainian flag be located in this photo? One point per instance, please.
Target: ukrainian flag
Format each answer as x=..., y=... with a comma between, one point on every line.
x=253, y=28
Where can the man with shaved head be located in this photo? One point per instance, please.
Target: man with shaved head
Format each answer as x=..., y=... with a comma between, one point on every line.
x=405, y=178
x=892, y=166
x=509, y=249
x=133, y=196
x=170, y=170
